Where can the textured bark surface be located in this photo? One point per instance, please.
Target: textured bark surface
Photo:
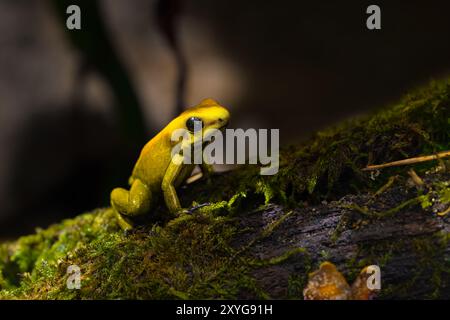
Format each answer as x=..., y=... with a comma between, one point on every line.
x=260, y=236
x=414, y=260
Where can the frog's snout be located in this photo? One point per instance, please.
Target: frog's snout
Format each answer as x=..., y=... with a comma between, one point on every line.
x=223, y=123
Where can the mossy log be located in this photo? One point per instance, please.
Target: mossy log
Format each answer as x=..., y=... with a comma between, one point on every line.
x=260, y=236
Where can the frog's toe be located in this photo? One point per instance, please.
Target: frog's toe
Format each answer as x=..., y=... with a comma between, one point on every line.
x=124, y=222
x=183, y=211
x=196, y=207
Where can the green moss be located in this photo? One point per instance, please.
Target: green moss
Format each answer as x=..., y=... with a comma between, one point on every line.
x=443, y=191
x=429, y=253
x=387, y=213
x=278, y=260
x=328, y=165
x=194, y=256
x=438, y=193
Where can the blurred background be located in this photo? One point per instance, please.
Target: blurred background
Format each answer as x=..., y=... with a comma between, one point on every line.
x=77, y=106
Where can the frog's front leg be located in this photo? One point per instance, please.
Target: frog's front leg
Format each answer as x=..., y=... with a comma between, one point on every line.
x=207, y=171
x=175, y=173
x=131, y=203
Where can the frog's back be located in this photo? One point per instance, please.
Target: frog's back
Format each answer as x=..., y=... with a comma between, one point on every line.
x=153, y=162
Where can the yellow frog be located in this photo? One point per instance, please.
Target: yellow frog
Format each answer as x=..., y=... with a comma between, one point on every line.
x=156, y=173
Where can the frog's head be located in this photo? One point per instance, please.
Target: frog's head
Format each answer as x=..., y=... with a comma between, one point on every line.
x=207, y=115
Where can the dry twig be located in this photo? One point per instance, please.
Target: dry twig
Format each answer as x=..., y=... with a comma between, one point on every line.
x=408, y=161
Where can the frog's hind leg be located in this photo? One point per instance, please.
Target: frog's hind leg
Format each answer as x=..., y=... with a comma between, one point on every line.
x=125, y=223
x=131, y=203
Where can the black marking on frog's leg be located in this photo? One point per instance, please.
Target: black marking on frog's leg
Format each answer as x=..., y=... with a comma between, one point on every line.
x=194, y=208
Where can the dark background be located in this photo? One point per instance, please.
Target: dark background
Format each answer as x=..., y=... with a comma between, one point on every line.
x=76, y=106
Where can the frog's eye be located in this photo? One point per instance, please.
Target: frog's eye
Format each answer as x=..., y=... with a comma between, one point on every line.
x=194, y=123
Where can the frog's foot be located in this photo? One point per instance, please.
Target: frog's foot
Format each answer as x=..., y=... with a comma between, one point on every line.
x=189, y=211
x=196, y=207
x=125, y=223
x=182, y=212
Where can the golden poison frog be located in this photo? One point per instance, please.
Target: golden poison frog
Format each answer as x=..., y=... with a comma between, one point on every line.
x=155, y=173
